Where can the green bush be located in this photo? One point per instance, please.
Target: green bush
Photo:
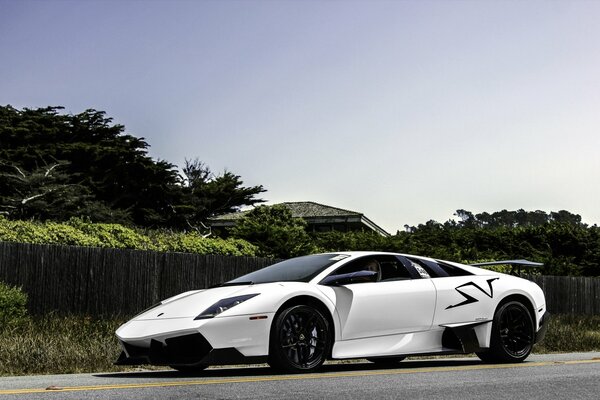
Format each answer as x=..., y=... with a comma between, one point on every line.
x=113, y=235
x=193, y=242
x=77, y=232
x=13, y=306
x=275, y=232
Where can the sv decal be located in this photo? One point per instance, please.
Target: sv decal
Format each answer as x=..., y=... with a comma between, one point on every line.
x=471, y=299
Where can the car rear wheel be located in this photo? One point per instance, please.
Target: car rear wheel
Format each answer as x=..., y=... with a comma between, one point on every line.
x=512, y=334
x=300, y=339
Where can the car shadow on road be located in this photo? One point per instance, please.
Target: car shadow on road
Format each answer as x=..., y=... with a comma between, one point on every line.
x=264, y=370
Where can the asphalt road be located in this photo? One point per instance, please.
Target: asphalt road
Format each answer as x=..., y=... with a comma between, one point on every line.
x=556, y=376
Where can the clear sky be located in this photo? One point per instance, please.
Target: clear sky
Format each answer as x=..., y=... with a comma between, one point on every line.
x=402, y=110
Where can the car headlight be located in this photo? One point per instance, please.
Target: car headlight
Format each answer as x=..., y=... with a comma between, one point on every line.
x=224, y=305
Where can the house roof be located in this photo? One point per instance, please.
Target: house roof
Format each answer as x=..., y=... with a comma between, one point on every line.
x=311, y=212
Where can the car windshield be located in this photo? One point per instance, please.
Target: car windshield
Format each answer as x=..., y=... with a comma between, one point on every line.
x=300, y=269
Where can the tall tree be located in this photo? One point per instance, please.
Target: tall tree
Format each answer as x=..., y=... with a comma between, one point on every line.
x=104, y=164
x=206, y=194
x=97, y=154
x=46, y=193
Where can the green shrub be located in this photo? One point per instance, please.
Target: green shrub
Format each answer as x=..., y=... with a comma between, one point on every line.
x=192, y=242
x=275, y=232
x=44, y=233
x=13, y=306
x=113, y=235
x=77, y=232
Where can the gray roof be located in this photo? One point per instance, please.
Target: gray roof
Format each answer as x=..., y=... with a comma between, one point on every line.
x=312, y=212
x=307, y=209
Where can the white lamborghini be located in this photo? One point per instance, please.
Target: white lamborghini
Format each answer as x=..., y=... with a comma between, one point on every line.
x=381, y=306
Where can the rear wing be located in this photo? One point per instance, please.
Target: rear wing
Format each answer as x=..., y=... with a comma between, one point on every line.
x=516, y=265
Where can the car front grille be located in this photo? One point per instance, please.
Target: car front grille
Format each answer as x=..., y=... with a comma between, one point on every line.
x=178, y=350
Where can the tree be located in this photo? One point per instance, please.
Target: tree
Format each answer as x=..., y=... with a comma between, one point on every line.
x=274, y=231
x=560, y=240
x=466, y=218
x=102, y=165
x=96, y=154
x=565, y=217
x=46, y=194
x=206, y=195
x=512, y=219
x=344, y=241
x=27, y=194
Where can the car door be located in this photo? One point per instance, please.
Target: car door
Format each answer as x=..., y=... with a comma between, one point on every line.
x=401, y=302
x=464, y=299
x=461, y=296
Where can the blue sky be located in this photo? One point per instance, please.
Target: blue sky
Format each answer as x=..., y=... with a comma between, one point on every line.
x=402, y=110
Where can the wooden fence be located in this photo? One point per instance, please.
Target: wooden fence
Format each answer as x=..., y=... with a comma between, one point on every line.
x=96, y=281
x=570, y=294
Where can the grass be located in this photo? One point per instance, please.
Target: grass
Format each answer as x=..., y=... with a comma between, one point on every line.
x=59, y=345
x=62, y=345
x=568, y=333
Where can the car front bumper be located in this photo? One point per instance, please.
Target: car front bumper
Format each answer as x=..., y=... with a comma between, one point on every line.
x=216, y=341
x=186, y=350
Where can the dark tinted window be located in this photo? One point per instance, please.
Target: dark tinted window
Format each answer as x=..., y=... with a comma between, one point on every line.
x=391, y=268
x=439, y=269
x=300, y=269
x=453, y=271
x=421, y=270
x=432, y=268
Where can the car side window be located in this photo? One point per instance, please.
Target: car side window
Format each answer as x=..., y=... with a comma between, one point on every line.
x=392, y=269
x=362, y=264
x=438, y=269
x=420, y=269
x=453, y=271
x=388, y=267
x=431, y=268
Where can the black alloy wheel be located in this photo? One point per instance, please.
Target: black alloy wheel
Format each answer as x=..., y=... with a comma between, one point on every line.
x=300, y=339
x=513, y=334
x=516, y=330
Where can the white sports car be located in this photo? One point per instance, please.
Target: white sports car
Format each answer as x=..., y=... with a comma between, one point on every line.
x=381, y=306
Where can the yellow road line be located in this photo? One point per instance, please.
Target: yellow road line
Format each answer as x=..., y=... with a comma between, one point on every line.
x=325, y=375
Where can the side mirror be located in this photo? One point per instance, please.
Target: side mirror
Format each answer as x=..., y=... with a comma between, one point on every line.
x=352, y=277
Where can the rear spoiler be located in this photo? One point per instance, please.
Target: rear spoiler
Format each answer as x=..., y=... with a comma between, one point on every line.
x=516, y=265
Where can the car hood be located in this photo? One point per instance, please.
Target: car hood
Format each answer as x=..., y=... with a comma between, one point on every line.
x=190, y=304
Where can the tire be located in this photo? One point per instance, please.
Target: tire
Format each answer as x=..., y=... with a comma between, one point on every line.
x=513, y=334
x=386, y=361
x=300, y=339
x=189, y=369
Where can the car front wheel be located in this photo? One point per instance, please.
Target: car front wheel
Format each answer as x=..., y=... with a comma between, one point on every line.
x=300, y=339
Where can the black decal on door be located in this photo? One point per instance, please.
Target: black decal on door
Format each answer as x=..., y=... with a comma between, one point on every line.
x=470, y=299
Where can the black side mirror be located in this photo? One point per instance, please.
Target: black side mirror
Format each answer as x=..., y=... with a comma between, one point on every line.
x=352, y=277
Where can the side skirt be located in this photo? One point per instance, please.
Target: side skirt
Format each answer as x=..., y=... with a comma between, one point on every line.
x=462, y=338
